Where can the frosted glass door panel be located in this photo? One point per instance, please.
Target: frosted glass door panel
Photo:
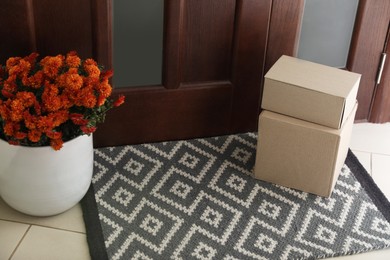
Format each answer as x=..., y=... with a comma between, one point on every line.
x=138, y=42
x=327, y=27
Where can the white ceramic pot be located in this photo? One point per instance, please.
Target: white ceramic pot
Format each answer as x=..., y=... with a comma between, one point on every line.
x=40, y=181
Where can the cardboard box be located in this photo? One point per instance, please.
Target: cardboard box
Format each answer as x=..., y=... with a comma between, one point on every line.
x=299, y=154
x=310, y=91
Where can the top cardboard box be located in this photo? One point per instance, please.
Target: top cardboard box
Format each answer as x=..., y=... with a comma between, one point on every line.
x=310, y=91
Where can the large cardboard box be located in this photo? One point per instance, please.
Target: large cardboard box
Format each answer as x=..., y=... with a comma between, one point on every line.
x=310, y=91
x=299, y=154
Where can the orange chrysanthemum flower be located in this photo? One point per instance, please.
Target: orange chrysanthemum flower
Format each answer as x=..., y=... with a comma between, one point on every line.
x=93, y=71
x=13, y=61
x=36, y=80
x=34, y=136
x=17, y=109
x=100, y=101
x=73, y=81
x=89, y=100
x=27, y=98
x=9, y=85
x=72, y=60
x=59, y=117
x=51, y=65
x=104, y=88
x=4, y=113
x=90, y=62
x=50, y=101
x=32, y=58
x=7, y=94
x=56, y=144
x=10, y=128
x=22, y=68
x=54, y=135
x=20, y=135
x=30, y=121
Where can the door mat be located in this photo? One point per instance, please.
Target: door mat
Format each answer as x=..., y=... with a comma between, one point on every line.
x=196, y=199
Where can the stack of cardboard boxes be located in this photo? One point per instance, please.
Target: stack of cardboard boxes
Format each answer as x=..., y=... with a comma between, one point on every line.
x=306, y=124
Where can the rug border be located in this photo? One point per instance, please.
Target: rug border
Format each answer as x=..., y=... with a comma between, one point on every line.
x=94, y=230
x=367, y=182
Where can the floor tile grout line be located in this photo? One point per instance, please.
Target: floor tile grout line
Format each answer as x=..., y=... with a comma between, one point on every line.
x=356, y=150
x=40, y=225
x=20, y=242
x=60, y=229
x=383, y=154
x=371, y=167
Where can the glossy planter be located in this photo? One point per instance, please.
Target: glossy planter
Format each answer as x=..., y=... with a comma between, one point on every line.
x=40, y=181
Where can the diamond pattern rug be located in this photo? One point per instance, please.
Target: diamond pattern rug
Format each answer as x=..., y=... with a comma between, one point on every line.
x=196, y=199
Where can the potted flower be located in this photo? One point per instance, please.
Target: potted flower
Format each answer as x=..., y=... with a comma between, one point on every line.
x=49, y=108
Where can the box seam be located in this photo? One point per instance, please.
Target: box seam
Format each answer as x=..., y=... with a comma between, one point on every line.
x=332, y=176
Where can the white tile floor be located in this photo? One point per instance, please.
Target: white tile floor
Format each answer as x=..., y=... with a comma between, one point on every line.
x=63, y=236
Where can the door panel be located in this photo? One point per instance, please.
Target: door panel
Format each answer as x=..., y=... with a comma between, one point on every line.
x=157, y=114
x=49, y=27
x=17, y=32
x=208, y=40
x=60, y=36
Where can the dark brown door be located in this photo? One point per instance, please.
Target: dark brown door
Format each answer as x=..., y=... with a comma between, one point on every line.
x=215, y=55
x=212, y=73
x=214, y=59
x=368, y=44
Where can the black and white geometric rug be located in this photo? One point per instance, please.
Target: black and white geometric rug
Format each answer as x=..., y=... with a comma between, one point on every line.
x=196, y=199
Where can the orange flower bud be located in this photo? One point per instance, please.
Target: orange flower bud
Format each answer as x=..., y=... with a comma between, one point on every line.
x=88, y=130
x=34, y=136
x=56, y=144
x=119, y=101
x=54, y=135
x=20, y=135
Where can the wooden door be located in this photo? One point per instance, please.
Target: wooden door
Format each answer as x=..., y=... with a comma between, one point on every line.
x=368, y=44
x=214, y=59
